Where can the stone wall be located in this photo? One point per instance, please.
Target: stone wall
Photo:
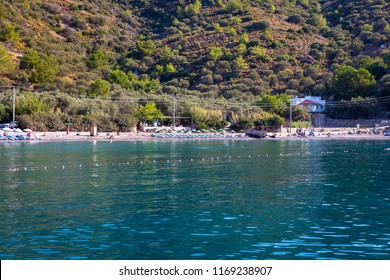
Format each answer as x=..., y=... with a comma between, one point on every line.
x=320, y=120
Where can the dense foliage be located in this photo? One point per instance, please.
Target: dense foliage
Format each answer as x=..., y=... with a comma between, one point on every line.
x=231, y=56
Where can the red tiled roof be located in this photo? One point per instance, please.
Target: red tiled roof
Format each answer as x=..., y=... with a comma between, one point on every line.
x=308, y=102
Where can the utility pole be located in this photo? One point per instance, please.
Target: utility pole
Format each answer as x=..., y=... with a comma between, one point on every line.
x=290, y=118
x=13, y=102
x=174, y=113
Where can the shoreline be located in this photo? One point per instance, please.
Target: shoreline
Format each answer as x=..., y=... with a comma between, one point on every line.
x=147, y=136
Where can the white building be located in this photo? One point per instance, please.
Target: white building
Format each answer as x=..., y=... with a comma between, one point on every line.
x=313, y=103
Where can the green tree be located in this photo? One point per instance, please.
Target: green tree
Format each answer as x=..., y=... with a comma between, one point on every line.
x=261, y=54
x=384, y=86
x=3, y=10
x=166, y=53
x=4, y=113
x=233, y=5
x=46, y=70
x=8, y=33
x=30, y=104
x=304, y=3
x=217, y=28
x=318, y=20
x=147, y=84
x=29, y=60
x=6, y=63
x=149, y=112
x=376, y=67
x=244, y=38
x=240, y=65
x=97, y=59
x=348, y=82
x=193, y=9
x=241, y=49
x=41, y=68
x=99, y=87
x=268, y=103
x=215, y=53
x=119, y=77
x=235, y=20
x=232, y=31
x=159, y=70
x=367, y=27
x=170, y=68
x=146, y=48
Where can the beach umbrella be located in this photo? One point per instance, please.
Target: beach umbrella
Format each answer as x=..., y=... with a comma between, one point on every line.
x=17, y=130
x=27, y=130
x=7, y=129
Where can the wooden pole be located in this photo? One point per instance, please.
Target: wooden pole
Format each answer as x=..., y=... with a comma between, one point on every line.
x=13, y=102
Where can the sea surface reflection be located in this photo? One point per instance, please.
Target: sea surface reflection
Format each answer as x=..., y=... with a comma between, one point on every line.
x=297, y=199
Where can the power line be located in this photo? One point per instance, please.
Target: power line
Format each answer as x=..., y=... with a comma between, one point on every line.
x=166, y=99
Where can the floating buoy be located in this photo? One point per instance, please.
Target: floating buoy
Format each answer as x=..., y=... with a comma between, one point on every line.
x=118, y=163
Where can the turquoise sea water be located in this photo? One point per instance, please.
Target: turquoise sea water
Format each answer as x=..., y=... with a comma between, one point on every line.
x=293, y=199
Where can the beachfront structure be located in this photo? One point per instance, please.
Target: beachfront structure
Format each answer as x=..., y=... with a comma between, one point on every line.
x=313, y=103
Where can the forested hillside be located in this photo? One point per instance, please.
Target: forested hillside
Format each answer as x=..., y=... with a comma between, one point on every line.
x=84, y=61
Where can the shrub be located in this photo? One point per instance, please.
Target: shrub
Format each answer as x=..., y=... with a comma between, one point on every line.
x=273, y=121
x=318, y=21
x=96, y=20
x=261, y=54
x=260, y=25
x=97, y=59
x=125, y=122
x=242, y=124
x=42, y=121
x=301, y=124
x=99, y=87
x=206, y=118
x=297, y=19
x=78, y=23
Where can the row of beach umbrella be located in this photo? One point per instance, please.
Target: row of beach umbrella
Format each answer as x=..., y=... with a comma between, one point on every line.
x=15, y=131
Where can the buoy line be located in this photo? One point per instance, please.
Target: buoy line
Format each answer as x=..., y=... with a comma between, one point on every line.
x=90, y=165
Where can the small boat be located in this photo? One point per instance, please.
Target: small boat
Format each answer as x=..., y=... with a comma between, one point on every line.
x=256, y=133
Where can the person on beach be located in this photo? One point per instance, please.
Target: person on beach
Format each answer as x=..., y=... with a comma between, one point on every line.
x=111, y=138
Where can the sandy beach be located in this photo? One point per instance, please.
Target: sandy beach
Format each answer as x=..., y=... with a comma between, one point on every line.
x=331, y=133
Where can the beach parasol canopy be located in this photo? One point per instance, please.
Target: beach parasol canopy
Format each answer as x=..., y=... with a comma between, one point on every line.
x=7, y=129
x=18, y=130
x=27, y=130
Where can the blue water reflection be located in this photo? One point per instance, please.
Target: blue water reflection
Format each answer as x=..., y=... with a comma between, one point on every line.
x=325, y=199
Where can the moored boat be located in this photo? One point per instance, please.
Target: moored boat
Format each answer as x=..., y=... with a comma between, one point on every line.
x=256, y=133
